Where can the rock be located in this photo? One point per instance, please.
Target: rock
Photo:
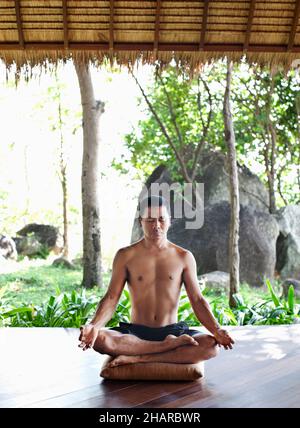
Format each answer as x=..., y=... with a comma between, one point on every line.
x=215, y=281
x=213, y=172
x=78, y=262
x=8, y=248
x=62, y=262
x=258, y=229
x=288, y=243
x=286, y=285
x=28, y=245
x=209, y=244
x=34, y=238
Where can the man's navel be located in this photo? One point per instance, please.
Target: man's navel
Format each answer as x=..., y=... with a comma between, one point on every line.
x=140, y=278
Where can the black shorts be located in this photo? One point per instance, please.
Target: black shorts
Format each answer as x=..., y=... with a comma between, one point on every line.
x=155, y=333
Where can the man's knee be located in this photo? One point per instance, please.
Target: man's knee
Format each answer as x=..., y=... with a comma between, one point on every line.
x=209, y=344
x=103, y=343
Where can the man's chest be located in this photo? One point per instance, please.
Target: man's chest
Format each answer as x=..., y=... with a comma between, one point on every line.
x=154, y=269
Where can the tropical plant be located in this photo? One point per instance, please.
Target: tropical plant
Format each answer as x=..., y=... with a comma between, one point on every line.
x=75, y=309
x=62, y=310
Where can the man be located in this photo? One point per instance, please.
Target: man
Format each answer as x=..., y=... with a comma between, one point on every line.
x=155, y=270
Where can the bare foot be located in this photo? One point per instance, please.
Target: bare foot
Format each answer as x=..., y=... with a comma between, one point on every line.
x=184, y=339
x=124, y=359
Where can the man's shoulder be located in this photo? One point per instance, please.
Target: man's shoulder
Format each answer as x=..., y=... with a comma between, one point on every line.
x=182, y=252
x=129, y=249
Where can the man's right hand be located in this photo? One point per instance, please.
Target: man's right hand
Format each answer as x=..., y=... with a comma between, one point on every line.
x=88, y=336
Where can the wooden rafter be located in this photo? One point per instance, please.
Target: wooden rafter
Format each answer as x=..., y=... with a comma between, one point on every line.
x=204, y=24
x=294, y=25
x=163, y=47
x=19, y=23
x=156, y=32
x=111, y=25
x=65, y=23
x=249, y=24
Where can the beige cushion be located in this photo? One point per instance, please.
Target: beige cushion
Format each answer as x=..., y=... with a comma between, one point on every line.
x=152, y=371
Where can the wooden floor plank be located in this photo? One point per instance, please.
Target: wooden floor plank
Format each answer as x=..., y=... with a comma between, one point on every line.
x=43, y=367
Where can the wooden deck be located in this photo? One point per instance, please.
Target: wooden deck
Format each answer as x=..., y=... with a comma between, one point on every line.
x=43, y=367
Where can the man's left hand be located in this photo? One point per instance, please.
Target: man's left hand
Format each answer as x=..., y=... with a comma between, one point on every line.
x=223, y=338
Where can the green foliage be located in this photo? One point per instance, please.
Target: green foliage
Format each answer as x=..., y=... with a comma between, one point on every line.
x=122, y=313
x=268, y=311
x=36, y=283
x=147, y=144
x=25, y=301
x=62, y=310
x=261, y=103
x=43, y=253
x=261, y=99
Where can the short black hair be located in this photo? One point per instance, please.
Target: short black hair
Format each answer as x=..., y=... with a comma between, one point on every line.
x=153, y=201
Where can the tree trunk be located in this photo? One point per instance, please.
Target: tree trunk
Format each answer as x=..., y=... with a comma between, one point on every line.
x=65, y=215
x=63, y=175
x=234, y=257
x=271, y=177
x=91, y=112
x=297, y=103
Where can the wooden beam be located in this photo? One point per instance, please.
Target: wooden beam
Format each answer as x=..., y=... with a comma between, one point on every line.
x=156, y=31
x=294, y=25
x=249, y=24
x=204, y=24
x=165, y=47
x=19, y=23
x=111, y=25
x=65, y=23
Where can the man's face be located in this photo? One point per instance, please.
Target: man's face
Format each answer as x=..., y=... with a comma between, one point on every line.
x=155, y=222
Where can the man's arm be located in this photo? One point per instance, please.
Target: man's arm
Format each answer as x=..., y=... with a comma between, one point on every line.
x=108, y=304
x=200, y=306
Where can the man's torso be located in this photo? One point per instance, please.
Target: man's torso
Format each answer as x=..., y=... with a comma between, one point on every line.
x=154, y=280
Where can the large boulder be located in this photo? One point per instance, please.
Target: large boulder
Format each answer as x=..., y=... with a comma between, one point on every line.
x=8, y=248
x=213, y=172
x=288, y=243
x=209, y=244
x=28, y=245
x=33, y=238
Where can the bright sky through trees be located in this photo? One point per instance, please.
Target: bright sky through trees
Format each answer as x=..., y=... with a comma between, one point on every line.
x=28, y=154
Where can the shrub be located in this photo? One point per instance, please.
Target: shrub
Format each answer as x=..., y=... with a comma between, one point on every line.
x=75, y=309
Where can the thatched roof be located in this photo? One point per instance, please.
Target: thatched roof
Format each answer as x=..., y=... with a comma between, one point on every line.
x=267, y=31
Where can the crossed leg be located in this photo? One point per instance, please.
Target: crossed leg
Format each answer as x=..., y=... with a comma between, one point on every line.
x=114, y=343
x=185, y=354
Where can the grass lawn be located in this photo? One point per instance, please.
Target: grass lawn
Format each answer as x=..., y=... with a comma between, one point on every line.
x=35, y=281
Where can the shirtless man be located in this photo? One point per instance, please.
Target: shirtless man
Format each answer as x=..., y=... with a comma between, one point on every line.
x=155, y=270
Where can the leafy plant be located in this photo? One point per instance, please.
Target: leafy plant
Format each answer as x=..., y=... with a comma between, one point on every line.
x=75, y=309
x=62, y=310
x=122, y=313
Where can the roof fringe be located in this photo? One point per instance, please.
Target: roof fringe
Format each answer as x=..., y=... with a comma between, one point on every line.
x=26, y=63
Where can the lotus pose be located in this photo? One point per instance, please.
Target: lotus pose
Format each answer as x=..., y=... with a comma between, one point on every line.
x=155, y=270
